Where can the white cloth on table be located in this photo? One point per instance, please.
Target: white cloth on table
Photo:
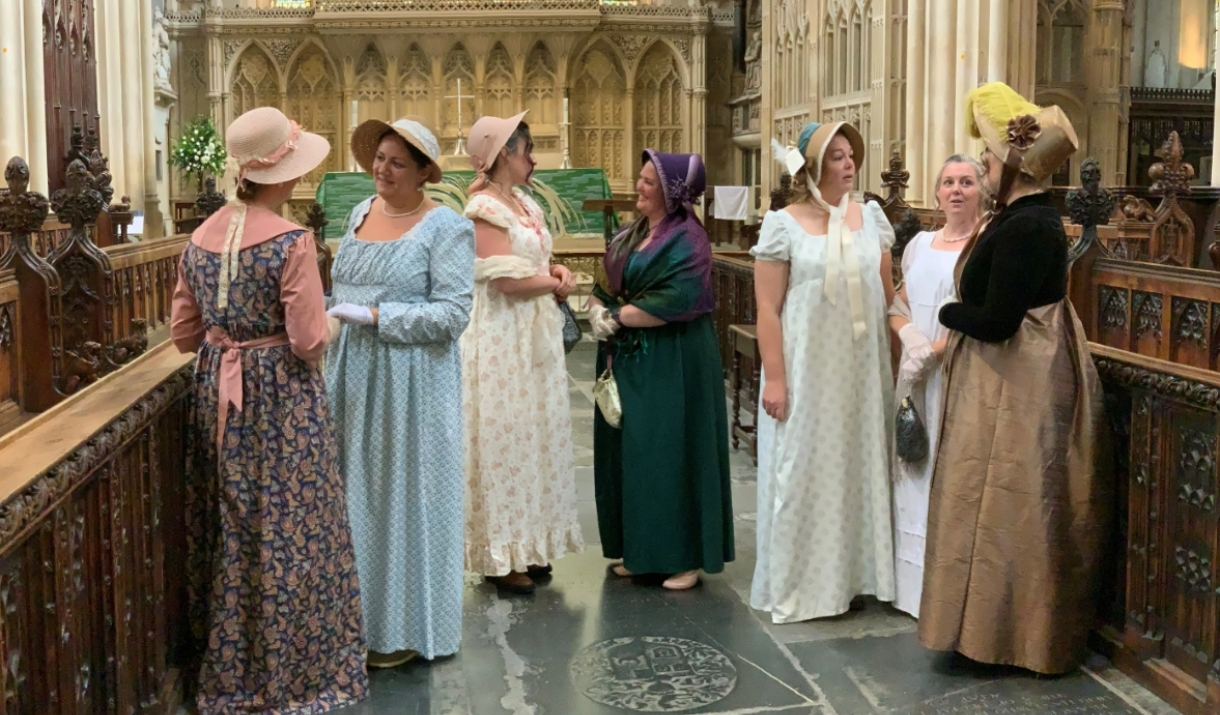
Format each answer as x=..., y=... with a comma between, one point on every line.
x=824, y=525
x=731, y=202
x=928, y=277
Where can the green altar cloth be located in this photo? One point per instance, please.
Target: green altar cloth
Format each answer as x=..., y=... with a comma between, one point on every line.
x=560, y=192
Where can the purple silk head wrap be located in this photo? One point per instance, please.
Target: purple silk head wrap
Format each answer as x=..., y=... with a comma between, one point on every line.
x=683, y=180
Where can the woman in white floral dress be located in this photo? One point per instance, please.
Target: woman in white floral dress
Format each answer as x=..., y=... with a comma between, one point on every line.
x=521, y=491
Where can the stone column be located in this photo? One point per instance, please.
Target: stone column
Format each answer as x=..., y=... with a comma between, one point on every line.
x=14, y=134
x=971, y=65
x=216, y=79
x=633, y=151
x=1216, y=123
x=36, y=111
x=1104, y=66
x=766, y=114
x=916, y=97
x=997, y=39
x=699, y=103
x=153, y=216
x=133, y=128
x=942, y=89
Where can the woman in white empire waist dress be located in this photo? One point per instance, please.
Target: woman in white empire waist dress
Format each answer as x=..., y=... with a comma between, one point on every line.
x=927, y=271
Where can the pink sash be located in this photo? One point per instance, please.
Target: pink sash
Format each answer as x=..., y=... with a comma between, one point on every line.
x=230, y=385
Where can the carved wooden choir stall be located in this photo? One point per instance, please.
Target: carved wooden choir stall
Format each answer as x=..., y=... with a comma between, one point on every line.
x=91, y=457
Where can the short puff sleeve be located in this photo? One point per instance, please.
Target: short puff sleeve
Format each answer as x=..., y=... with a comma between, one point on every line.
x=492, y=211
x=885, y=232
x=774, y=239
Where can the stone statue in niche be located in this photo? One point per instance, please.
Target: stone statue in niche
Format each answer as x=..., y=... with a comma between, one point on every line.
x=161, y=55
x=754, y=63
x=1155, y=66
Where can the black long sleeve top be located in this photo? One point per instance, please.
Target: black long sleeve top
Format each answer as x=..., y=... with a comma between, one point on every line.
x=1018, y=263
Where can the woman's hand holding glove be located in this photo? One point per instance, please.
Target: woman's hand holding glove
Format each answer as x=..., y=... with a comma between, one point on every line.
x=351, y=313
x=920, y=353
x=604, y=325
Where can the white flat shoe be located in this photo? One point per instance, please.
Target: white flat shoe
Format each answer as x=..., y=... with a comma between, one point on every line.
x=682, y=581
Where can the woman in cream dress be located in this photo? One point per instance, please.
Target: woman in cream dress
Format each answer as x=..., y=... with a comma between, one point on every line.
x=521, y=490
x=823, y=283
x=927, y=283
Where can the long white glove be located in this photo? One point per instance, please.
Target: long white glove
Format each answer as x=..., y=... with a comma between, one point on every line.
x=351, y=313
x=920, y=353
x=603, y=325
x=911, y=371
x=918, y=347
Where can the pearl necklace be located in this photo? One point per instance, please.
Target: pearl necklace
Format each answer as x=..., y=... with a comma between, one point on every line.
x=955, y=239
x=405, y=214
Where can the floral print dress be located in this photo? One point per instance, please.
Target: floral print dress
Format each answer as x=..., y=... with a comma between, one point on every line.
x=521, y=494
x=274, y=596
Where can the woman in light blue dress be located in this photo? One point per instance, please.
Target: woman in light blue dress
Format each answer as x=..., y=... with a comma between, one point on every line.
x=402, y=282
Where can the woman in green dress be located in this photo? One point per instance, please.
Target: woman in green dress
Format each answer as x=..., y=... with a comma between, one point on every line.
x=662, y=476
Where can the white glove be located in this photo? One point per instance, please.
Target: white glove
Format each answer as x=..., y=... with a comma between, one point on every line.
x=351, y=313
x=603, y=325
x=911, y=371
x=919, y=349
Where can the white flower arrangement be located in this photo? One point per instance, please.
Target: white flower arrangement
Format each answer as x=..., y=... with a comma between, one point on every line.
x=198, y=151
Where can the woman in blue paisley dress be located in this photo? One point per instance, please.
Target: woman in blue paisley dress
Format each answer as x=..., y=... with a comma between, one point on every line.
x=274, y=598
x=402, y=284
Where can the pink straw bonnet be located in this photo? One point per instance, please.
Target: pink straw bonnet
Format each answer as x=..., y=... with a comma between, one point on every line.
x=267, y=147
x=487, y=137
x=412, y=130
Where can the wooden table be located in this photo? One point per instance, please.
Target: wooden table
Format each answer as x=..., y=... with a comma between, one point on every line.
x=745, y=349
x=608, y=207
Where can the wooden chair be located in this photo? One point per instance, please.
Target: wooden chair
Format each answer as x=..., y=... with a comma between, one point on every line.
x=745, y=349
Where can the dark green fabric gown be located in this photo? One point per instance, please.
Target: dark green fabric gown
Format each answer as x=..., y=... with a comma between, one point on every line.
x=662, y=482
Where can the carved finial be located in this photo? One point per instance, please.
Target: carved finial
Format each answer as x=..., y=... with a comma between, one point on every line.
x=76, y=150
x=92, y=142
x=896, y=177
x=99, y=167
x=22, y=211
x=316, y=219
x=209, y=201
x=1090, y=205
x=1171, y=175
x=79, y=202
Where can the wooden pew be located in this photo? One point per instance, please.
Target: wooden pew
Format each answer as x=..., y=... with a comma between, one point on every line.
x=10, y=382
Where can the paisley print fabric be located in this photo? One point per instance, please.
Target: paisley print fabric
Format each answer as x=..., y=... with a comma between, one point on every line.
x=274, y=597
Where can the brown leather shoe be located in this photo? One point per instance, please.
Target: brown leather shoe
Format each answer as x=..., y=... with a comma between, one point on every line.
x=539, y=571
x=513, y=582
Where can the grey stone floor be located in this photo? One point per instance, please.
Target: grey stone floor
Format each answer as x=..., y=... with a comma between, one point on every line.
x=590, y=644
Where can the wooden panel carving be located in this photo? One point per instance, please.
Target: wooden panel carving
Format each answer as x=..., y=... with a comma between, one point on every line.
x=10, y=384
x=89, y=602
x=85, y=276
x=143, y=276
x=1173, y=233
x=21, y=213
x=70, y=68
x=1165, y=622
x=733, y=286
x=1159, y=311
x=316, y=221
